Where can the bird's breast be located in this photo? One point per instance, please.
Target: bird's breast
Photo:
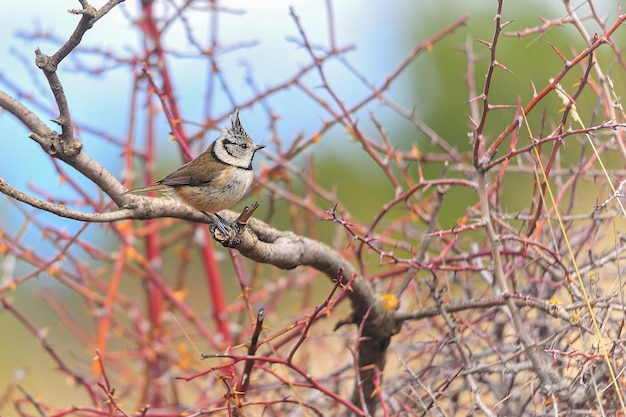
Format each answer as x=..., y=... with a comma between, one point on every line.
x=221, y=193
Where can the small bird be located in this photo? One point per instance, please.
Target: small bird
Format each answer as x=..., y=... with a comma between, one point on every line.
x=218, y=178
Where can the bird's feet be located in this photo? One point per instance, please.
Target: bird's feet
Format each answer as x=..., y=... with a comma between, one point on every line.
x=225, y=226
x=230, y=233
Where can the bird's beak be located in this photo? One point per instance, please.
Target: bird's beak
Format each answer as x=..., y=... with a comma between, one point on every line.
x=259, y=147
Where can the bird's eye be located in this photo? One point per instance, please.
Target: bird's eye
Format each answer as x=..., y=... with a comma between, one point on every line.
x=244, y=145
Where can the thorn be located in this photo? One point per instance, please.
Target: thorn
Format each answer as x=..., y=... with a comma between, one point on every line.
x=477, y=98
x=473, y=122
x=499, y=65
x=565, y=60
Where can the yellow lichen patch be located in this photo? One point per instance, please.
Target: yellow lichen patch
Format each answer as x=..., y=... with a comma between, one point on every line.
x=389, y=302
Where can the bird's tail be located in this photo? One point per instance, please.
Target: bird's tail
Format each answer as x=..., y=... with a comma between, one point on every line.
x=156, y=187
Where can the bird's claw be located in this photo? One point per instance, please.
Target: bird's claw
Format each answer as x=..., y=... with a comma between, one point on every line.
x=225, y=227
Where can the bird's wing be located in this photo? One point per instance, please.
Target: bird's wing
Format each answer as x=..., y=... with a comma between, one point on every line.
x=201, y=171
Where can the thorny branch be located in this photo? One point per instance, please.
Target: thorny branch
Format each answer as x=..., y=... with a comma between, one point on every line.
x=487, y=300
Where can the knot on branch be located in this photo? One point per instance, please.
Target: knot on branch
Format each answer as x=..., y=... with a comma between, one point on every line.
x=55, y=145
x=234, y=236
x=44, y=62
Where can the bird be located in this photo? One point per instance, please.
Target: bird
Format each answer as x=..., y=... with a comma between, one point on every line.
x=216, y=179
